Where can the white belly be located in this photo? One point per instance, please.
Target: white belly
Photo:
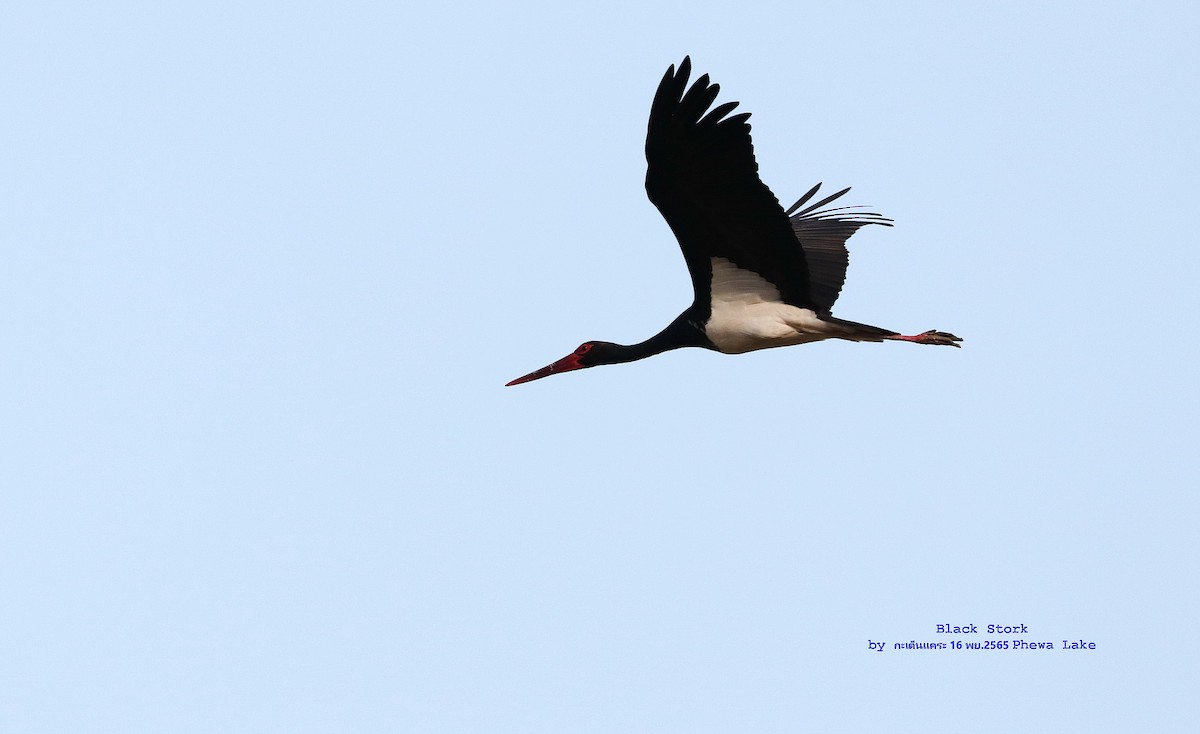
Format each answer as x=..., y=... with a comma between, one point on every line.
x=747, y=314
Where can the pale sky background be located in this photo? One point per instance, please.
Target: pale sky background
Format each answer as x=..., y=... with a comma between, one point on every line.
x=267, y=266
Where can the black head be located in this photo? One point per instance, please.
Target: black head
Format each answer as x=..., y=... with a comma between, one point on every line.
x=588, y=354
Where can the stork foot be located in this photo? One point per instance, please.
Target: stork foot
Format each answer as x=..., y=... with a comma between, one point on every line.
x=931, y=337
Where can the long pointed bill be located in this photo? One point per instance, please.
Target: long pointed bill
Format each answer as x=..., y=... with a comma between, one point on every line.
x=566, y=364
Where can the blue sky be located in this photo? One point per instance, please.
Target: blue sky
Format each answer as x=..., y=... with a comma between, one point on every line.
x=268, y=266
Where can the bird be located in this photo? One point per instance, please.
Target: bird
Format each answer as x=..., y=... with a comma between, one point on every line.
x=763, y=277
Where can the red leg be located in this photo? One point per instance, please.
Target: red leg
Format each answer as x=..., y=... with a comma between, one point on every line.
x=930, y=337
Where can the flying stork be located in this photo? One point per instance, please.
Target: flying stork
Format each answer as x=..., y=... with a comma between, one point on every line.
x=763, y=277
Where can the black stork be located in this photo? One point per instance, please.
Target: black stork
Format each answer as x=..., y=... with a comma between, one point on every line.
x=763, y=277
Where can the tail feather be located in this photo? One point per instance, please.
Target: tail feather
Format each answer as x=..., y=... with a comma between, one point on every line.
x=857, y=331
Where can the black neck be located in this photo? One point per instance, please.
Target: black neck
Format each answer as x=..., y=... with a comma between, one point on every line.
x=681, y=332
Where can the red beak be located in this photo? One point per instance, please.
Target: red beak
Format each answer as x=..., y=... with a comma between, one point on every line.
x=566, y=364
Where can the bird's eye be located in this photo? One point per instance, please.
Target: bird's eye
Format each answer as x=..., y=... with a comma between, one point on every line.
x=583, y=349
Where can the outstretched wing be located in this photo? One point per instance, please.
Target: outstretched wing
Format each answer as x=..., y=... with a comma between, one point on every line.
x=823, y=234
x=702, y=176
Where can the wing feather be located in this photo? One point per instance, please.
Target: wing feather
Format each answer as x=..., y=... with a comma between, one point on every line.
x=823, y=234
x=702, y=176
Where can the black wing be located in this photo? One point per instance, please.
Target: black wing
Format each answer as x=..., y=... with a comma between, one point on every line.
x=702, y=176
x=823, y=234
